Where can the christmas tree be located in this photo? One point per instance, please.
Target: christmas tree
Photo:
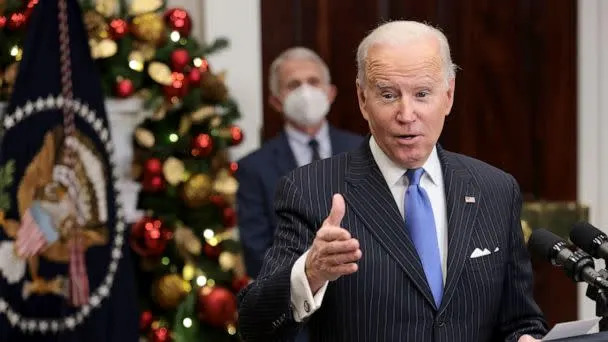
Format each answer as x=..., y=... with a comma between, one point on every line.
x=188, y=264
x=189, y=269
x=14, y=16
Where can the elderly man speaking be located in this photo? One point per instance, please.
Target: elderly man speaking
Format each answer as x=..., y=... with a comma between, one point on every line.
x=399, y=240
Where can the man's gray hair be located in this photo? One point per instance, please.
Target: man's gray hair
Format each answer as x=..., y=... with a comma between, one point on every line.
x=399, y=33
x=295, y=53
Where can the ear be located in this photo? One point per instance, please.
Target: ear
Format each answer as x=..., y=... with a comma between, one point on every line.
x=362, y=99
x=450, y=96
x=275, y=103
x=332, y=91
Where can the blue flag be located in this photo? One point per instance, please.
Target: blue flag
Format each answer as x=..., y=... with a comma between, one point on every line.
x=65, y=269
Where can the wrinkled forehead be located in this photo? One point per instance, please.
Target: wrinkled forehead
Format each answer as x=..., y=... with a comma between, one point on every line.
x=417, y=59
x=299, y=69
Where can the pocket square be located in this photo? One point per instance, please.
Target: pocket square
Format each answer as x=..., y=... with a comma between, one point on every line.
x=479, y=253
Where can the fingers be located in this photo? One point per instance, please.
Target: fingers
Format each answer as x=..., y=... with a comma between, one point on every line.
x=345, y=258
x=340, y=246
x=338, y=208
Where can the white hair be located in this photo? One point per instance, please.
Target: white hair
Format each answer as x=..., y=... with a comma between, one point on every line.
x=400, y=33
x=295, y=53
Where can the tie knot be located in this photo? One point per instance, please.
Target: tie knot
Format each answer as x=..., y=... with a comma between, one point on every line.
x=413, y=175
x=313, y=143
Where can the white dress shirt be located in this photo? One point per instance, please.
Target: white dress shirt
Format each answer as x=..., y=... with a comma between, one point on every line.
x=298, y=142
x=304, y=302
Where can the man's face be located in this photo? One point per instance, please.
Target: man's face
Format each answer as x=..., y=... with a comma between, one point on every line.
x=405, y=99
x=295, y=72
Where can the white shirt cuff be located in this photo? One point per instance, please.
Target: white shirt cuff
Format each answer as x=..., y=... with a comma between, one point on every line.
x=303, y=303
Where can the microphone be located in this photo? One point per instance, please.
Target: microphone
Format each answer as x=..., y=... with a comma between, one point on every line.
x=590, y=239
x=578, y=265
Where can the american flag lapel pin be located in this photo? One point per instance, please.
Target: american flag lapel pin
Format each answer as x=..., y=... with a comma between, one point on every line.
x=469, y=199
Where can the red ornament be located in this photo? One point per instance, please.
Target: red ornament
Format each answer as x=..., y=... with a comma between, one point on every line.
x=194, y=77
x=153, y=166
x=2, y=22
x=236, y=135
x=239, y=283
x=201, y=145
x=178, y=87
x=212, y=252
x=17, y=21
x=216, y=306
x=179, y=20
x=161, y=334
x=124, y=88
x=118, y=28
x=149, y=237
x=145, y=321
x=234, y=166
x=229, y=217
x=153, y=183
x=179, y=59
x=204, y=65
x=217, y=200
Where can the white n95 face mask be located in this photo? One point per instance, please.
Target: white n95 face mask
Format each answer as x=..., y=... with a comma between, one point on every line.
x=306, y=105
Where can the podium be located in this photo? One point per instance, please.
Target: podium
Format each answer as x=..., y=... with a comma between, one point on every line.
x=601, y=336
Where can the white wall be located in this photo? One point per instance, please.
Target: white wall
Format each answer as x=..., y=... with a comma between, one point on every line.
x=593, y=120
x=239, y=22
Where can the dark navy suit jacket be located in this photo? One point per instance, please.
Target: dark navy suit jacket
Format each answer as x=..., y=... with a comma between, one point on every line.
x=258, y=175
x=485, y=299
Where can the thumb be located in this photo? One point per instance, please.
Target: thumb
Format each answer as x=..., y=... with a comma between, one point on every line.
x=338, y=208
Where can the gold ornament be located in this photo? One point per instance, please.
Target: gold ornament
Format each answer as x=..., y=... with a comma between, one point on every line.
x=227, y=261
x=147, y=50
x=136, y=60
x=102, y=48
x=10, y=74
x=149, y=27
x=160, y=112
x=226, y=185
x=108, y=8
x=170, y=290
x=202, y=113
x=188, y=244
x=144, y=137
x=144, y=6
x=197, y=190
x=213, y=88
x=173, y=170
x=184, y=125
x=96, y=25
x=216, y=122
x=160, y=73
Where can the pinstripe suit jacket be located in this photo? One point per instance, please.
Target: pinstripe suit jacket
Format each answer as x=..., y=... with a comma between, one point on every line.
x=388, y=298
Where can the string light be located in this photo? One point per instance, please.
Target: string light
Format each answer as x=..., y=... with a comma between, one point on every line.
x=173, y=137
x=165, y=261
x=136, y=65
x=174, y=36
x=231, y=329
x=188, y=322
x=208, y=234
x=201, y=280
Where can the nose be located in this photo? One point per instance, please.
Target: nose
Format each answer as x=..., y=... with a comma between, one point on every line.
x=406, y=113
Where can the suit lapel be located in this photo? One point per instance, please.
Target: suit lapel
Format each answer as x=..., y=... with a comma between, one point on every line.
x=337, y=144
x=459, y=185
x=371, y=200
x=284, y=158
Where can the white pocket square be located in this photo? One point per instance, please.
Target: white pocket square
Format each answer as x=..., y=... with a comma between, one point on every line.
x=479, y=253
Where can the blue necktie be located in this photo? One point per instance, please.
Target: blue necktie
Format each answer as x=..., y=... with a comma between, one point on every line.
x=420, y=224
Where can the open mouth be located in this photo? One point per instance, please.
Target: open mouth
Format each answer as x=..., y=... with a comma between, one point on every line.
x=407, y=137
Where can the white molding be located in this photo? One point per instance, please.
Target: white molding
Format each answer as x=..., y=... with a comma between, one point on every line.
x=592, y=99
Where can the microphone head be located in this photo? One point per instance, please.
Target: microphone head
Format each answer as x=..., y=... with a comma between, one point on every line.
x=584, y=235
x=543, y=243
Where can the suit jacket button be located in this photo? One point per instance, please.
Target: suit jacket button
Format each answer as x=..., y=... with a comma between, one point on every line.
x=306, y=306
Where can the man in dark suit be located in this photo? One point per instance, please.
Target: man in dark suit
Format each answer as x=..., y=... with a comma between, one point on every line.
x=418, y=243
x=301, y=89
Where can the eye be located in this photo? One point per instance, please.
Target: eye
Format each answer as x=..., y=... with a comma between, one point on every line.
x=422, y=94
x=389, y=96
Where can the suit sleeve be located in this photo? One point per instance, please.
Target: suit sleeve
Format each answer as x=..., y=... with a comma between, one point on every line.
x=255, y=227
x=520, y=314
x=265, y=313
